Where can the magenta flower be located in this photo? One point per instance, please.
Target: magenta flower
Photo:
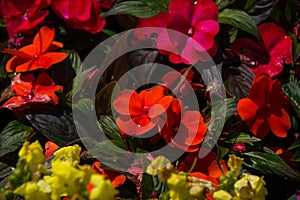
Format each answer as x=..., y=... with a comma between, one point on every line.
x=196, y=19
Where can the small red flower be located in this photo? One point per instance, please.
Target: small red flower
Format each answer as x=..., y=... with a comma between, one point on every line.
x=31, y=90
x=139, y=112
x=264, y=108
x=37, y=55
x=50, y=148
x=84, y=15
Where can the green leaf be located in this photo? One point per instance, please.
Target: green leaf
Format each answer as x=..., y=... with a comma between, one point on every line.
x=292, y=91
x=270, y=163
x=242, y=137
x=260, y=10
x=147, y=186
x=58, y=127
x=140, y=8
x=240, y=20
x=110, y=128
x=86, y=106
x=296, y=157
x=13, y=136
x=222, y=151
x=103, y=98
x=74, y=61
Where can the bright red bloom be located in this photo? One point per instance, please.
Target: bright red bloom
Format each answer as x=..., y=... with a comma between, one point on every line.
x=23, y=16
x=263, y=109
x=139, y=112
x=196, y=19
x=31, y=90
x=37, y=55
x=84, y=15
x=267, y=56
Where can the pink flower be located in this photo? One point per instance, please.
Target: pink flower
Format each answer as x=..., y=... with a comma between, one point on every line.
x=267, y=56
x=23, y=16
x=84, y=15
x=196, y=19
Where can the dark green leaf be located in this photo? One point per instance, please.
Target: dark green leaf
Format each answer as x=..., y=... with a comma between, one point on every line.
x=140, y=8
x=237, y=80
x=292, y=91
x=240, y=20
x=227, y=106
x=13, y=136
x=104, y=97
x=296, y=144
x=296, y=157
x=147, y=186
x=222, y=151
x=110, y=128
x=261, y=9
x=58, y=127
x=243, y=137
x=270, y=163
x=292, y=11
x=86, y=106
x=222, y=4
x=74, y=61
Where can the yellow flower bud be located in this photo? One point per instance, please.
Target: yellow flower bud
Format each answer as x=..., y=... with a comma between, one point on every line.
x=222, y=195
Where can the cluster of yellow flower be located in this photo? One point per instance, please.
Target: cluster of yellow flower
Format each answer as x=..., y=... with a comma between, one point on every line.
x=66, y=178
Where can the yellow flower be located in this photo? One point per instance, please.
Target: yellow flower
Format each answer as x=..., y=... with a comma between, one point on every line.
x=69, y=154
x=161, y=167
x=235, y=163
x=65, y=180
x=33, y=154
x=178, y=188
x=34, y=190
x=102, y=188
x=250, y=187
x=222, y=195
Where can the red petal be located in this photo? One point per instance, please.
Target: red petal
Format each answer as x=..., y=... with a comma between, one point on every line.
x=119, y=180
x=260, y=128
x=205, y=10
x=247, y=109
x=152, y=96
x=271, y=34
x=18, y=53
x=260, y=89
x=279, y=124
x=215, y=170
x=185, y=8
x=50, y=148
x=129, y=127
x=128, y=103
x=43, y=39
x=22, y=84
x=210, y=27
x=161, y=107
x=13, y=102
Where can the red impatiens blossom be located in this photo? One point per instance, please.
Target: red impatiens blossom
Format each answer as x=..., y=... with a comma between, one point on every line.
x=38, y=55
x=23, y=16
x=31, y=90
x=270, y=54
x=264, y=108
x=139, y=112
x=196, y=19
x=84, y=15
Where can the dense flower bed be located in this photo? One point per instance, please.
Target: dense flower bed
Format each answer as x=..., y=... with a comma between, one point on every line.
x=150, y=99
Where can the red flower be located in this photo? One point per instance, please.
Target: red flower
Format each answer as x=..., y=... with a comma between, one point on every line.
x=279, y=46
x=23, y=16
x=29, y=90
x=36, y=55
x=84, y=15
x=267, y=56
x=197, y=20
x=263, y=110
x=139, y=112
x=50, y=148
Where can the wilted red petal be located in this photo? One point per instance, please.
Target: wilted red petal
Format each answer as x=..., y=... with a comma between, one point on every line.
x=247, y=109
x=43, y=39
x=22, y=84
x=128, y=103
x=279, y=124
x=14, y=102
x=119, y=180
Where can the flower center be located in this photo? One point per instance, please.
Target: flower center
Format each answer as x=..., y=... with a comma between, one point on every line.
x=191, y=31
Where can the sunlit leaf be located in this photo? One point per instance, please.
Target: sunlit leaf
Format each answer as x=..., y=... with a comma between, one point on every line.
x=239, y=19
